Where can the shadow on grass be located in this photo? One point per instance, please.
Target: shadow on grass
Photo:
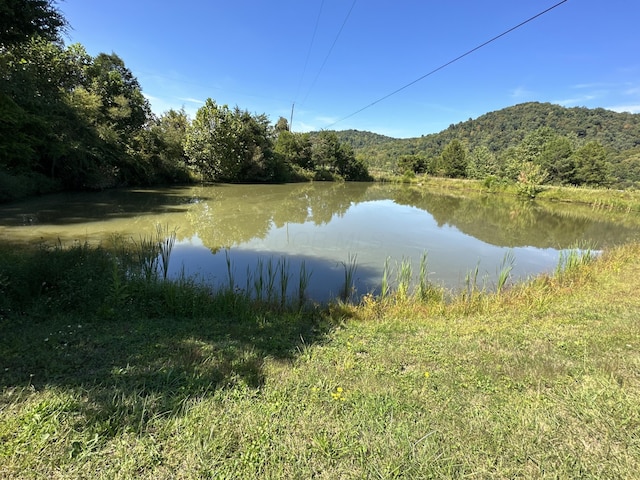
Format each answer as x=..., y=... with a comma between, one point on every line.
x=132, y=369
x=138, y=353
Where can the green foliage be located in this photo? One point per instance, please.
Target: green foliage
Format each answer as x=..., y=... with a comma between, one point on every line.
x=72, y=118
x=22, y=19
x=294, y=148
x=453, y=161
x=556, y=158
x=530, y=179
x=322, y=153
x=122, y=106
x=222, y=144
x=161, y=145
x=590, y=165
x=411, y=163
x=482, y=163
x=553, y=132
x=625, y=168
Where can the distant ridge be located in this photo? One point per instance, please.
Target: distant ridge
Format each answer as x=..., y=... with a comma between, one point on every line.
x=501, y=129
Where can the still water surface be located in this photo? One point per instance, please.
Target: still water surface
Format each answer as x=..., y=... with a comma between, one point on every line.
x=325, y=226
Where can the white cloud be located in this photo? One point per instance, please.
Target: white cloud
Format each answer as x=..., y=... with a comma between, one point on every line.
x=191, y=100
x=161, y=105
x=626, y=108
x=575, y=101
x=582, y=86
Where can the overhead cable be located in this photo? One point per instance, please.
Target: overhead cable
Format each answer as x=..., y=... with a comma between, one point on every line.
x=335, y=40
x=306, y=62
x=469, y=52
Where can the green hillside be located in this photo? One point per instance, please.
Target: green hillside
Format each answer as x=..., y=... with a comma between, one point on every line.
x=502, y=130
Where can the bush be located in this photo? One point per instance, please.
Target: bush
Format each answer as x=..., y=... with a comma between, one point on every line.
x=16, y=187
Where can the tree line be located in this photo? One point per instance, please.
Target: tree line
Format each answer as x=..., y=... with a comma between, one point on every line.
x=541, y=157
x=531, y=141
x=69, y=120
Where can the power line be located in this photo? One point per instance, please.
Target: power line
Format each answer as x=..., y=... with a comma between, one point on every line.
x=335, y=40
x=469, y=52
x=306, y=61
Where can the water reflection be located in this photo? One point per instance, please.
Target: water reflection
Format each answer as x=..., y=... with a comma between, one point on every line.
x=322, y=224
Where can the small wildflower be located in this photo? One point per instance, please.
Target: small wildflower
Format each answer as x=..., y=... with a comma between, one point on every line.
x=338, y=394
x=427, y=374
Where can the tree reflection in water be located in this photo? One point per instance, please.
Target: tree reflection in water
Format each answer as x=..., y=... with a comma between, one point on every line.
x=322, y=225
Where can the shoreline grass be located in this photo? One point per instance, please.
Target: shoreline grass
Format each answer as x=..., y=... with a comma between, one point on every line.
x=599, y=199
x=114, y=376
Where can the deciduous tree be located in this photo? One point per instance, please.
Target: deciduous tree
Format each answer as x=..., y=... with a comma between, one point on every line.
x=454, y=160
x=22, y=19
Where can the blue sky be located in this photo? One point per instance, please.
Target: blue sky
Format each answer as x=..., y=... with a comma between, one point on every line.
x=334, y=57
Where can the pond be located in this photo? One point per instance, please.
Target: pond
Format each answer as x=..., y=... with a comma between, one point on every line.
x=327, y=230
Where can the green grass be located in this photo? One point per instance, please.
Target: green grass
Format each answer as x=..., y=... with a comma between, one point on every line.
x=597, y=199
x=123, y=377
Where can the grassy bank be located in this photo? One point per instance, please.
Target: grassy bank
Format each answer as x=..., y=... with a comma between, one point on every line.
x=597, y=198
x=109, y=374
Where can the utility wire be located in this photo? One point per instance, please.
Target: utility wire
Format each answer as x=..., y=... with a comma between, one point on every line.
x=306, y=61
x=469, y=52
x=335, y=40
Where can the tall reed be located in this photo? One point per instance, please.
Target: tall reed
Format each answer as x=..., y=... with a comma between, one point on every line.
x=471, y=282
x=283, y=265
x=426, y=291
x=258, y=282
x=146, y=253
x=504, y=272
x=570, y=260
x=231, y=283
x=153, y=253
x=404, y=278
x=166, y=241
x=271, y=279
x=303, y=283
x=350, y=268
x=385, y=288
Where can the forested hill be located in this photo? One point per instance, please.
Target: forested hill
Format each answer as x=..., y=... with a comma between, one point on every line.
x=618, y=133
x=359, y=139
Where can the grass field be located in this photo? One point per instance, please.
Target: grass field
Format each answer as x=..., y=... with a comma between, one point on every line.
x=108, y=376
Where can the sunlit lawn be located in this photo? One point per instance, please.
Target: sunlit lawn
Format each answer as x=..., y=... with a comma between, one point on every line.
x=541, y=382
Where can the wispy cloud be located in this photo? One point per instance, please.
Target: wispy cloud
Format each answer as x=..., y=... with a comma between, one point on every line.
x=327, y=120
x=632, y=91
x=191, y=100
x=589, y=86
x=581, y=100
x=626, y=108
x=304, y=127
x=520, y=93
x=160, y=105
